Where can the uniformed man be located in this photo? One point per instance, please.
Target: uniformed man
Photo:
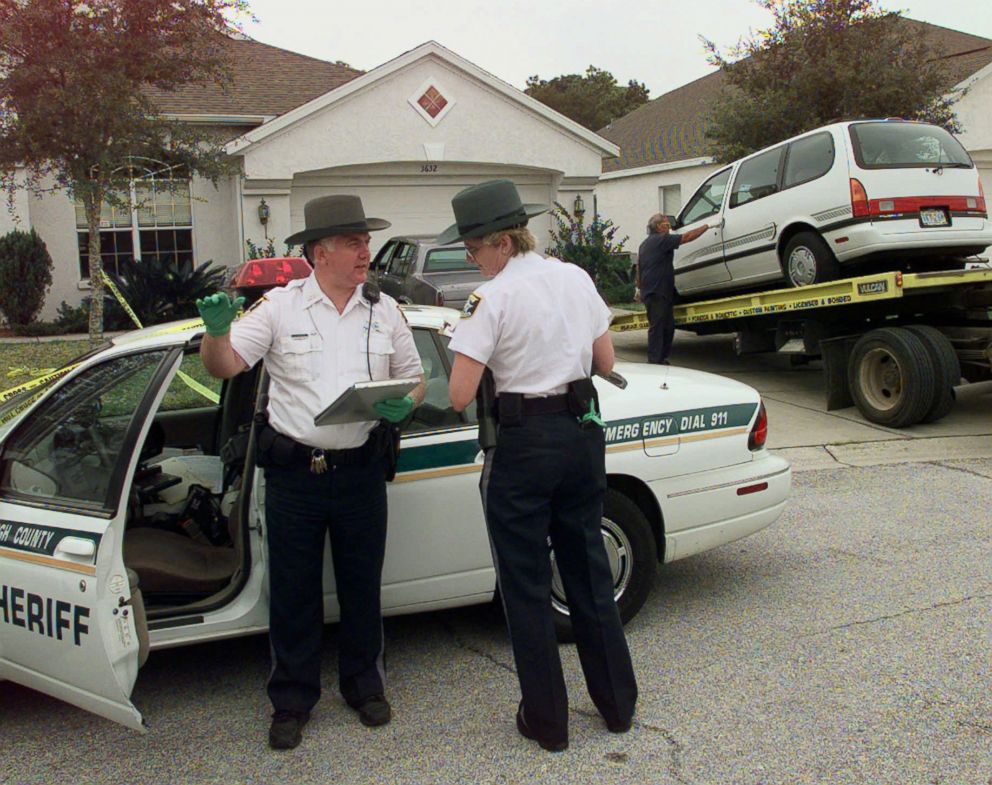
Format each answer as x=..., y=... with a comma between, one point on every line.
x=317, y=337
x=656, y=282
x=541, y=328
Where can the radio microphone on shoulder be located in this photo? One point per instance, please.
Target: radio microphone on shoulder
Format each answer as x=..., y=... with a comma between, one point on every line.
x=370, y=291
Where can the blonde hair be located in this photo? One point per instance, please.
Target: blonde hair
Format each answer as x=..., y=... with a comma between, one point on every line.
x=520, y=237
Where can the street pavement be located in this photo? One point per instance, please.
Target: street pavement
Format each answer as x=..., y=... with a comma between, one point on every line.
x=847, y=644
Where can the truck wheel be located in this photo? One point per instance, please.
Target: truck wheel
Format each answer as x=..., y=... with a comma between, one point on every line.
x=891, y=377
x=633, y=557
x=946, y=365
x=808, y=259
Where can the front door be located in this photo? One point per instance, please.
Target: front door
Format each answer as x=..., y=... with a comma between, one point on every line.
x=699, y=264
x=70, y=619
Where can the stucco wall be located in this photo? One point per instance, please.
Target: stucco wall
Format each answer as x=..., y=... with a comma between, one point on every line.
x=377, y=124
x=53, y=217
x=216, y=234
x=630, y=201
x=974, y=111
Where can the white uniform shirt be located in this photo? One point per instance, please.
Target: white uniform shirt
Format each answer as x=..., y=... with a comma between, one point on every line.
x=313, y=354
x=534, y=325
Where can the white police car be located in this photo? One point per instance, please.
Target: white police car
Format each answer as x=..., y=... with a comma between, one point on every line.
x=132, y=516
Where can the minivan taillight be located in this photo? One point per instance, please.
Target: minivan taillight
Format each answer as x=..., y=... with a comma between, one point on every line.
x=859, y=199
x=981, y=196
x=759, y=431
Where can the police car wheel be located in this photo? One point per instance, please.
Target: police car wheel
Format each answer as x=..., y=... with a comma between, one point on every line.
x=633, y=557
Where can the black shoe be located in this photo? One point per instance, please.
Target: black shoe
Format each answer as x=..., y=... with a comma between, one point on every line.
x=527, y=733
x=374, y=711
x=619, y=727
x=286, y=731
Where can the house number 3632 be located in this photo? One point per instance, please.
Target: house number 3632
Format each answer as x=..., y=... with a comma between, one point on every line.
x=428, y=169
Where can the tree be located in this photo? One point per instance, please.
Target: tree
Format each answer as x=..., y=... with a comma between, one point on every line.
x=823, y=61
x=75, y=106
x=593, y=100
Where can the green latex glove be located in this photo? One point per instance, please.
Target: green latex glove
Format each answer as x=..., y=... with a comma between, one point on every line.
x=218, y=312
x=394, y=409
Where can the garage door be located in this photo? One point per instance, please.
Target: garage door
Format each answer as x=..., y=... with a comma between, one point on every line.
x=415, y=207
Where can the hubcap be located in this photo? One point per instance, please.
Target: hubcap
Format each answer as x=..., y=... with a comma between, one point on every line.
x=620, y=555
x=881, y=380
x=802, y=266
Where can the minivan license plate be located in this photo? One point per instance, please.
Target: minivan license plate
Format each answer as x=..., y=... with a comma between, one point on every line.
x=933, y=217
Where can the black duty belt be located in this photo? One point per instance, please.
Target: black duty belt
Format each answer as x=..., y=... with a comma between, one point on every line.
x=280, y=450
x=551, y=404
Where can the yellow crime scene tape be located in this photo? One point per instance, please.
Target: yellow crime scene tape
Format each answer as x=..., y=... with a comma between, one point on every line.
x=49, y=374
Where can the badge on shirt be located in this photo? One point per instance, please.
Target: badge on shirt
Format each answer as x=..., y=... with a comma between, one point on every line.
x=470, y=305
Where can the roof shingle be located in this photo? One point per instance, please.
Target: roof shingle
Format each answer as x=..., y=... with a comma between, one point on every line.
x=266, y=81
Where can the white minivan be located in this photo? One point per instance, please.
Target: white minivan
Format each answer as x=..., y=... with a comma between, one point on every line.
x=820, y=205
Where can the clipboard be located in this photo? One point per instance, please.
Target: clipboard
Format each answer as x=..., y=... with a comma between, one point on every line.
x=355, y=403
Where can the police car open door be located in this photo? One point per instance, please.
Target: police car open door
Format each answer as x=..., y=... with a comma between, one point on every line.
x=71, y=618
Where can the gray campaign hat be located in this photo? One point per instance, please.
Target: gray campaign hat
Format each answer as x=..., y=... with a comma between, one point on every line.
x=488, y=207
x=327, y=216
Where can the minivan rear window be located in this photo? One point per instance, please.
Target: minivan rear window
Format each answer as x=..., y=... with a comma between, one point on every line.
x=906, y=145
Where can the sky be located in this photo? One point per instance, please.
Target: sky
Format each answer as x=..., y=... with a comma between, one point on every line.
x=657, y=43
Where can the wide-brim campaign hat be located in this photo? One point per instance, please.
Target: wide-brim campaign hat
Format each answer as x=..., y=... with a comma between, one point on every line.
x=327, y=216
x=486, y=208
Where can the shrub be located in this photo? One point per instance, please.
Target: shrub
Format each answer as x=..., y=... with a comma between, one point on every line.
x=72, y=319
x=25, y=276
x=162, y=290
x=268, y=251
x=36, y=328
x=593, y=247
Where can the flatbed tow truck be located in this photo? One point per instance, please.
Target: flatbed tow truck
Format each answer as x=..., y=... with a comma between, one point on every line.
x=893, y=344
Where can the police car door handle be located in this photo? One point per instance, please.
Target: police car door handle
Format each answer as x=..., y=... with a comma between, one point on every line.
x=75, y=549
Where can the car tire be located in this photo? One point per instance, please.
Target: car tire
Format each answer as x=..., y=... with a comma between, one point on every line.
x=891, y=377
x=807, y=260
x=947, y=368
x=633, y=555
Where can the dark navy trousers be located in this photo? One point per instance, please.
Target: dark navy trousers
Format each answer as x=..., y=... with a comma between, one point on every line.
x=545, y=479
x=660, y=306
x=301, y=509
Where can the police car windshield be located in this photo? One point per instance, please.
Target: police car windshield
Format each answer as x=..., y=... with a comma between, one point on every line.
x=12, y=404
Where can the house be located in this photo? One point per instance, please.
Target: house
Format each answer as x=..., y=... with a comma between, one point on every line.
x=663, y=156
x=405, y=136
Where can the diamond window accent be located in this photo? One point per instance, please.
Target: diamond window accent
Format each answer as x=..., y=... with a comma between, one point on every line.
x=432, y=101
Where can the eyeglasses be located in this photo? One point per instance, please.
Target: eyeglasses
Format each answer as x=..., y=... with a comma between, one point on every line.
x=473, y=250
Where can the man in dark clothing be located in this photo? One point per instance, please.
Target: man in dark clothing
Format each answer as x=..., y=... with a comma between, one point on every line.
x=656, y=282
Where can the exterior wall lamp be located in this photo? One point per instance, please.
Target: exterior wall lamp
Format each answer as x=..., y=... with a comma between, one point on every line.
x=579, y=207
x=263, y=213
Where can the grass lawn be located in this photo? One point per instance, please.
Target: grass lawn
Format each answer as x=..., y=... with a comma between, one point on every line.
x=21, y=361
x=630, y=306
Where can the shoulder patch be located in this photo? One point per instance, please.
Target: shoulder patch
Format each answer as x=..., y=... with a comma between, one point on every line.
x=470, y=305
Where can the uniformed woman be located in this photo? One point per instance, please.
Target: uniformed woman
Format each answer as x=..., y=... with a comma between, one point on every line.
x=541, y=328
